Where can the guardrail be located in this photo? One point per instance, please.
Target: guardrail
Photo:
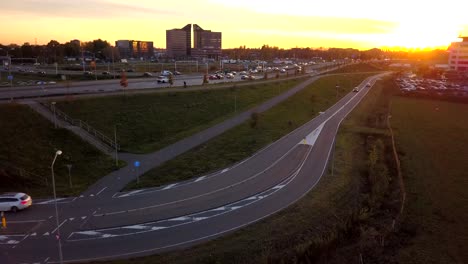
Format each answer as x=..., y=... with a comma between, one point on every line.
x=83, y=125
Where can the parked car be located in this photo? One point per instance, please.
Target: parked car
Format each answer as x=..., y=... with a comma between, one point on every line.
x=162, y=79
x=106, y=73
x=14, y=201
x=213, y=77
x=147, y=74
x=88, y=73
x=230, y=76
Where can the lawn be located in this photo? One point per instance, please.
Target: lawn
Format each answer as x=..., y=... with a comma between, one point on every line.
x=432, y=138
x=355, y=68
x=299, y=234
x=28, y=143
x=148, y=122
x=243, y=140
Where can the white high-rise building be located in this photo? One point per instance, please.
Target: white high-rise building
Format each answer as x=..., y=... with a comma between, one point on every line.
x=458, y=59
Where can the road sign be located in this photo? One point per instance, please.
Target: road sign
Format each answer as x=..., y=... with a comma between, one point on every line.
x=10, y=77
x=136, y=164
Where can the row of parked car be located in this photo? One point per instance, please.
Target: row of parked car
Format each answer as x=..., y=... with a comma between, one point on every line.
x=412, y=84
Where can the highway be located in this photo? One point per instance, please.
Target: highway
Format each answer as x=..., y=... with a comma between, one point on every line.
x=108, y=87
x=107, y=224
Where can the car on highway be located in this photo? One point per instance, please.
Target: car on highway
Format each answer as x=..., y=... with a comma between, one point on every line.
x=368, y=85
x=14, y=201
x=356, y=89
x=162, y=79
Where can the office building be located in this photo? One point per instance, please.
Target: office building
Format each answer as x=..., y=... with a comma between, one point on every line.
x=135, y=49
x=458, y=59
x=206, y=43
x=178, y=42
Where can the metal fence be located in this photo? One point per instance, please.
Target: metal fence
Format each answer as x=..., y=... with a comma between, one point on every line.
x=83, y=125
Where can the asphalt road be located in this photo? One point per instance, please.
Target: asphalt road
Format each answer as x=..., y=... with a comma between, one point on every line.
x=104, y=226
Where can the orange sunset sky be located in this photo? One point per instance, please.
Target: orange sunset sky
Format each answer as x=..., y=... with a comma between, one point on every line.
x=360, y=24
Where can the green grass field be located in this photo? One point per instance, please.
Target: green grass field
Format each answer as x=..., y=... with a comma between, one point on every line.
x=27, y=146
x=243, y=140
x=148, y=122
x=432, y=138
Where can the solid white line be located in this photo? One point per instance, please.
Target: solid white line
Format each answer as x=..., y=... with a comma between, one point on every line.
x=101, y=191
x=59, y=226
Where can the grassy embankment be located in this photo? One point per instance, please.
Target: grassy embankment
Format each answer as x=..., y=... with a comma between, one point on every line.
x=432, y=139
x=299, y=233
x=148, y=122
x=27, y=146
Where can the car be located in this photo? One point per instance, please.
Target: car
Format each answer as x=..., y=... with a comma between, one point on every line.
x=177, y=73
x=147, y=74
x=88, y=73
x=162, y=79
x=106, y=73
x=356, y=89
x=213, y=77
x=14, y=201
x=283, y=70
x=41, y=72
x=368, y=85
x=230, y=76
x=166, y=73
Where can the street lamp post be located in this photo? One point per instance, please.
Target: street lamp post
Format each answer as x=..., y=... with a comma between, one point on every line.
x=57, y=153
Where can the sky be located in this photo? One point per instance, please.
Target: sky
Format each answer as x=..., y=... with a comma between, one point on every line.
x=361, y=24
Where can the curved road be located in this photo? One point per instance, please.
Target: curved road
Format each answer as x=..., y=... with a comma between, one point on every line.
x=108, y=224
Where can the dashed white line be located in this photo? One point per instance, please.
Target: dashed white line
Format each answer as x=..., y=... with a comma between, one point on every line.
x=225, y=170
x=200, y=178
x=101, y=191
x=55, y=230
x=169, y=186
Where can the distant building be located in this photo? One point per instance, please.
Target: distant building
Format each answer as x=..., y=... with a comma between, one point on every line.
x=458, y=59
x=179, y=42
x=206, y=43
x=135, y=48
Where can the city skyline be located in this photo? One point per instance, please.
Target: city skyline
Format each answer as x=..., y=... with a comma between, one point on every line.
x=361, y=24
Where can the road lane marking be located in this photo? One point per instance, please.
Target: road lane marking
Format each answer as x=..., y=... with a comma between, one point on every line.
x=26, y=221
x=200, y=178
x=225, y=170
x=184, y=220
x=169, y=186
x=55, y=230
x=101, y=191
x=312, y=137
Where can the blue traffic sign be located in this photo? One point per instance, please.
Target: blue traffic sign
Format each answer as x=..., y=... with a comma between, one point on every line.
x=136, y=164
x=10, y=77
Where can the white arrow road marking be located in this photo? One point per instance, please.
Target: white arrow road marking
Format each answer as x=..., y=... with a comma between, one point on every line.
x=34, y=234
x=46, y=234
x=235, y=207
x=312, y=137
x=158, y=227
x=83, y=217
x=225, y=170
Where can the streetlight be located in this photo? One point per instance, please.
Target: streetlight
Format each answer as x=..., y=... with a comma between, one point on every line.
x=55, y=118
x=57, y=153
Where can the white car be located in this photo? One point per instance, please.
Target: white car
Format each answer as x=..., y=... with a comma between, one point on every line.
x=162, y=79
x=14, y=201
